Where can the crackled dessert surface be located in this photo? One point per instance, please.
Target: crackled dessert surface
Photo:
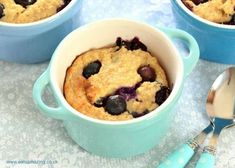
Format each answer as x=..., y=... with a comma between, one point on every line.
x=26, y=11
x=218, y=11
x=116, y=83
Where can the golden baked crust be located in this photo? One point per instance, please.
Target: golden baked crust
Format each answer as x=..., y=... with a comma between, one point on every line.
x=119, y=69
x=15, y=13
x=218, y=11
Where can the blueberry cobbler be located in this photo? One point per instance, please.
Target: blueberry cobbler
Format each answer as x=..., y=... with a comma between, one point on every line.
x=116, y=83
x=218, y=11
x=25, y=11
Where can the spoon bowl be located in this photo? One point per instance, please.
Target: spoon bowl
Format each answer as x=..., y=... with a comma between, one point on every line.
x=220, y=106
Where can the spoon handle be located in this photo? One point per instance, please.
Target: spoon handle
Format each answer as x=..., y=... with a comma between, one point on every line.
x=180, y=157
x=207, y=158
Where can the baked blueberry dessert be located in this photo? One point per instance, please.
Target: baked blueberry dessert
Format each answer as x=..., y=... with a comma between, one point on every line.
x=218, y=11
x=26, y=11
x=120, y=82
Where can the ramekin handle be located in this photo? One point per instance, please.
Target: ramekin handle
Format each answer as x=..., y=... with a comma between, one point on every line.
x=191, y=60
x=179, y=158
x=207, y=160
x=38, y=89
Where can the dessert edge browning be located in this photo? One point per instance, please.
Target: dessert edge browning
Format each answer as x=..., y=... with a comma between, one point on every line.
x=218, y=11
x=26, y=11
x=116, y=83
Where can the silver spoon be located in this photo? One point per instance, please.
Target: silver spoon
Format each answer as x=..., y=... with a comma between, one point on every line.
x=180, y=157
x=221, y=109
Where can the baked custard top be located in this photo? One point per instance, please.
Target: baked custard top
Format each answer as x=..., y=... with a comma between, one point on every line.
x=218, y=11
x=26, y=11
x=115, y=83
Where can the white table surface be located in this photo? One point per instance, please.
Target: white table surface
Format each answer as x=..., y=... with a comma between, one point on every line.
x=27, y=135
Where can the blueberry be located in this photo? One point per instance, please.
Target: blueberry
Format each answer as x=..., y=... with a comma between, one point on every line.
x=91, y=69
x=162, y=95
x=137, y=44
x=133, y=44
x=25, y=3
x=127, y=92
x=119, y=42
x=1, y=10
x=147, y=73
x=115, y=105
x=136, y=115
x=197, y=2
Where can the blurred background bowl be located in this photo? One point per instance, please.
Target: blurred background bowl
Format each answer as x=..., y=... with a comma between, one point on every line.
x=216, y=41
x=35, y=42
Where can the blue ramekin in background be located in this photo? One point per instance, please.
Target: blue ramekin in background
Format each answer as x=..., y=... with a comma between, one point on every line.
x=216, y=41
x=35, y=42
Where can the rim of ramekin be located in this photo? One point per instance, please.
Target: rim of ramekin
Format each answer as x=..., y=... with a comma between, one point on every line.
x=209, y=23
x=39, y=22
x=175, y=93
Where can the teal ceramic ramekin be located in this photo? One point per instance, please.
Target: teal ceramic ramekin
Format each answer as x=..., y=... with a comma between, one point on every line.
x=35, y=42
x=116, y=138
x=216, y=41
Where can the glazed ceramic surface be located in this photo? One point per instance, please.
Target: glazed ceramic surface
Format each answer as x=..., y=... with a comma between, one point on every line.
x=216, y=41
x=35, y=42
x=121, y=138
